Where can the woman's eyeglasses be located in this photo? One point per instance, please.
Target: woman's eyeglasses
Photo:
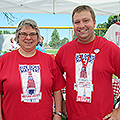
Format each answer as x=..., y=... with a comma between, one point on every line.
x=24, y=35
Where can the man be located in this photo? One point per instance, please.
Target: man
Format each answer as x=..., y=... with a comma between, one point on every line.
x=89, y=62
x=40, y=45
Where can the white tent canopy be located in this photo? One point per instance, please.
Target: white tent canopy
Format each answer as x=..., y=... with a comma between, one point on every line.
x=5, y=43
x=101, y=7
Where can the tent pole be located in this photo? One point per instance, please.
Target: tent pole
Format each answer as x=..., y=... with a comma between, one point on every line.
x=53, y=6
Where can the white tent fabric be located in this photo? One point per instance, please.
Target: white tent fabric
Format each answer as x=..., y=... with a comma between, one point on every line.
x=5, y=43
x=101, y=7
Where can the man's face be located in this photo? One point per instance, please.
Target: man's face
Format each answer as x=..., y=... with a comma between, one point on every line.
x=84, y=26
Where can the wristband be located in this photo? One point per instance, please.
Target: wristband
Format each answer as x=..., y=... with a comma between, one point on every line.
x=58, y=113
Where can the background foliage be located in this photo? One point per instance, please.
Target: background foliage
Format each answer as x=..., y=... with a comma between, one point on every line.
x=55, y=40
x=111, y=20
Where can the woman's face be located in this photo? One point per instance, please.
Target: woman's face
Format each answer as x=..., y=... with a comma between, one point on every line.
x=28, y=39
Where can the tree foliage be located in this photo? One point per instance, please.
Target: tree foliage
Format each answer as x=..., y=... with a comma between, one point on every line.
x=6, y=32
x=55, y=40
x=111, y=20
x=101, y=32
x=63, y=41
x=0, y=31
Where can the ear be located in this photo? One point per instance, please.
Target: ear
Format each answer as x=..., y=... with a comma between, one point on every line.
x=94, y=23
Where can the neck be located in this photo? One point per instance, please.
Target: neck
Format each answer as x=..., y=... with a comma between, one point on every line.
x=27, y=54
x=88, y=41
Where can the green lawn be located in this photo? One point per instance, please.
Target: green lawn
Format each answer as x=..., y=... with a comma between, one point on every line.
x=51, y=51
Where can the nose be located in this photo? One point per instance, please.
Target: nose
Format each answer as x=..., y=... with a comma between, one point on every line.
x=28, y=37
x=81, y=25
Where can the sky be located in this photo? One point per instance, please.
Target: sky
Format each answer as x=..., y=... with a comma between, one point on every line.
x=50, y=20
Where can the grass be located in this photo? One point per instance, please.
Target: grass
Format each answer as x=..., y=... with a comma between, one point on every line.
x=51, y=51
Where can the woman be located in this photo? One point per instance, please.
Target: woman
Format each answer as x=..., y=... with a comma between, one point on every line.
x=27, y=79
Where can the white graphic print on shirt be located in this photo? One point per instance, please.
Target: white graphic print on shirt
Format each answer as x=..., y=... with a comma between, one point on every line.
x=83, y=77
x=31, y=83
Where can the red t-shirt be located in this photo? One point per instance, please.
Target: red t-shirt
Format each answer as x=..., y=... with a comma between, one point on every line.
x=28, y=84
x=104, y=61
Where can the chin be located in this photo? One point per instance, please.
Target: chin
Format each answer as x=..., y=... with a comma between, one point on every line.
x=84, y=37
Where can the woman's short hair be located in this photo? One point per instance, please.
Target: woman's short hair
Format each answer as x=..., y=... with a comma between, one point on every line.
x=27, y=22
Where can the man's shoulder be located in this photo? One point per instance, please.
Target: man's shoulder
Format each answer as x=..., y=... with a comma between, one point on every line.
x=101, y=41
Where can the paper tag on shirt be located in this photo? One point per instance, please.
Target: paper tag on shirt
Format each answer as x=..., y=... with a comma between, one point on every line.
x=84, y=89
x=83, y=77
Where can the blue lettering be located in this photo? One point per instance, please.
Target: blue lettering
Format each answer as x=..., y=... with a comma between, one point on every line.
x=26, y=68
x=92, y=58
x=77, y=58
x=85, y=57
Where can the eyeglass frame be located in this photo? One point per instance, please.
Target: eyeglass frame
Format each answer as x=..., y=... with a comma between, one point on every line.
x=25, y=34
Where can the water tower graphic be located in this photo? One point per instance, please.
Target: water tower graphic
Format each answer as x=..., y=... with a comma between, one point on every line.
x=83, y=73
x=31, y=84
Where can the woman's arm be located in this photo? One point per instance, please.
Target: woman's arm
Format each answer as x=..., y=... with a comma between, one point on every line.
x=58, y=101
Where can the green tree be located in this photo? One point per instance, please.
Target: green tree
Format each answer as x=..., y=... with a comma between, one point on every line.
x=101, y=32
x=111, y=20
x=0, y=31
x=14, y=32
x=6, y=32
x=55, y=39
x=63, y=41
